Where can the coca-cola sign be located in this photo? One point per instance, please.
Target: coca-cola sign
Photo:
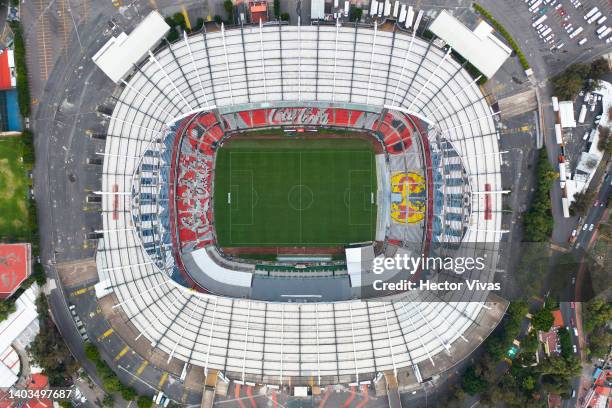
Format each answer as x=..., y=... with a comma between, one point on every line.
x=302, y=116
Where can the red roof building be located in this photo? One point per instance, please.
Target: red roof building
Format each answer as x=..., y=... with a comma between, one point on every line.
x=259, y=11
x=558, y=323
x=7, y=70
x=15, y=267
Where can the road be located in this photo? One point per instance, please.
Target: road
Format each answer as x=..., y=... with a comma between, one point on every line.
x=593, y=216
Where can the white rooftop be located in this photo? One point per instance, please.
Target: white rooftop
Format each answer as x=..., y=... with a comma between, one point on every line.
x=566, y=114
x=119, y=55
x=480, y=47
x=317, y=9
x=20, y=319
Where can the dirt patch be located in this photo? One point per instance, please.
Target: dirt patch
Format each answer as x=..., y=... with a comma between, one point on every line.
x=326, y=134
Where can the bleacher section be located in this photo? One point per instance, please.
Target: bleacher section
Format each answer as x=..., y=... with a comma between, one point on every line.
x=280, y=76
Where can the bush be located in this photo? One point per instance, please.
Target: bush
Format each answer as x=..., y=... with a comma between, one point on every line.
x=542, y=320
x=128, y=393
x=538, y=221
x=355, y=13
x=198, y=25
x=218, y=19
x=108, y=400
x=284, y=16
x=144, y=402
x=23, y=86
x=502, y=30
x=472, y=383
x=229, y=9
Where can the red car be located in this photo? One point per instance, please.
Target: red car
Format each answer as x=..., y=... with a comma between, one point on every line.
x=571, y=321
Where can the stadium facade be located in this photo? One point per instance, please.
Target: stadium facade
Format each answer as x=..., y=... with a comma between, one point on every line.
x=185, y=98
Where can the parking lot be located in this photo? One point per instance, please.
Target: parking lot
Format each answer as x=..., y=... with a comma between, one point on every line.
x=578, y=139
x=581, y=22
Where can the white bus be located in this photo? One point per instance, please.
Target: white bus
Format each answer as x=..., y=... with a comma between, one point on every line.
x=558, y=133
x=409, y=17
x=535, y=6
x=546, y=32
x=582, y=115
x=347, y=5
x=396, y=8
x=594, y=17
x=555, y=103
x=539, y=21
x=604, y=34
x=402, y=16
x=601, y=20
x=576, y=32
x=582, y=41
x=600, y=29
x=373, y=8
x=590, y=13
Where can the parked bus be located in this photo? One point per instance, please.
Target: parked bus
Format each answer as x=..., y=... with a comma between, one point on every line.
x=601, y=20
x=555, y=103
x=576, y=32
x=409, y=17
x=535, y=6
x=558, y=133
x=402, y=16
x=600, y=29
x=594, y=17
x=604, y=34
x=582, y=115
x=590, y=13
x=581, y=42
x=539, y=21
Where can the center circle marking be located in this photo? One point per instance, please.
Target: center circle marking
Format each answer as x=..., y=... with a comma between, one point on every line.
x=300, y=197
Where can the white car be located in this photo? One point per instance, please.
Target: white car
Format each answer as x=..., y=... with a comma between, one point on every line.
x=591, y=227
x=585, y=226
x=574, y=347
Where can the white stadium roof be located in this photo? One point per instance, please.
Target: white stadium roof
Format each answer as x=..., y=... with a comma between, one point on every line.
x=324, y=65
x=480, y=47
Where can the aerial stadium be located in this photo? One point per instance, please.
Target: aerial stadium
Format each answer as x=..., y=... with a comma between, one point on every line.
x=249, y=173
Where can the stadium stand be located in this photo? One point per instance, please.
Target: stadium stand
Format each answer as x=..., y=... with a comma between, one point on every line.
x=393, y=83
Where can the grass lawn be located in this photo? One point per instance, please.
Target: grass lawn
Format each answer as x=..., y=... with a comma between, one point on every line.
x=14, y=186
x=295, y=192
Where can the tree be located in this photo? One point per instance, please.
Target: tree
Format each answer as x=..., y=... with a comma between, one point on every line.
x=355, y=14
x=284, y=16
x=144, y=402
x=49, y=351
x=128, y=393
x=218, y=19
x=229, y=9
x=7, y=307
x=108, y=400
x=277, y=10
x=605, y=142
x=543, y=320
x=530, y=343
x=472, y=383
x=582, y=202
x=599, y=68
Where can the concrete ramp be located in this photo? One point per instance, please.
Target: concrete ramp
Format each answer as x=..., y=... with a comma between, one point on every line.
x=518, y=104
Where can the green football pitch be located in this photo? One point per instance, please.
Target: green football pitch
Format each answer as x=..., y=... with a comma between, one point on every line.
x=295, y=192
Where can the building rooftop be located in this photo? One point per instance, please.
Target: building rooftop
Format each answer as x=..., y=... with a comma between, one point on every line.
x=15, y=267
x=480, y=47
x=119, y=55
